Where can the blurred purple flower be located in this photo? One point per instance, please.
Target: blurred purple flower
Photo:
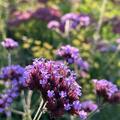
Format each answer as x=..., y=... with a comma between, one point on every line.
x=13, y=73
x=9, y=43
x=83, y=115
x=89, y=106
x=43, y=1
x=46, y=14
x=53, y=24
x=74, y=20
x=118, y=40
x=105, y=88
x=71, y=55
x=19, y=17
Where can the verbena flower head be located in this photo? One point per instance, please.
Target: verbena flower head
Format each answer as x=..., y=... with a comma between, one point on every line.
x=9, y=43
x=71, y=55
x=13, y=74
x=18, y=17
x=105, y=88
x=76, y=20
x=46, y=14
x=89, y=106
x=53, y=24
x=115, y=97
x=57, y=84
x=72, y=20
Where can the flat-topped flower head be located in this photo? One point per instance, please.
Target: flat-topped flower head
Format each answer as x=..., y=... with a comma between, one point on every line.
x=105, y=88
x=9, y=43
x=56, y=82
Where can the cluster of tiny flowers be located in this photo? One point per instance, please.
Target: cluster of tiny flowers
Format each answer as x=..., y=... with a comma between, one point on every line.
x=9, y=43
x=86, y=108
x=18, y=17
x=107, y=90
x=47, y=14
x=43, y=14
x=57, y=84
x=74, y=20
x=71, y=55
x=89, y=106
x=14, y=75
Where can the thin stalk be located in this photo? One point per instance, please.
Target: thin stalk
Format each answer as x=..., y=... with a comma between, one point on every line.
x=95, y=111
x=67, y=31
x=102, y=11
x=26, y=107
x=41, y=112
x=40, y=106
x=9, y=58
x=17, y=112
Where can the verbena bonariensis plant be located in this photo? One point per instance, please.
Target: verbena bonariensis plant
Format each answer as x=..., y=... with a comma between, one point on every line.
x=107, y=90
x=60, y=91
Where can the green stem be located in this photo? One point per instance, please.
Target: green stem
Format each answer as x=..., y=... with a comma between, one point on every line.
x=9, y=58
x=17, y=112
x=27, y=106
x=102, y=11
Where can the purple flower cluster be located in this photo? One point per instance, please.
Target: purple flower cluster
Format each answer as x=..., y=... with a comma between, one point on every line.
x=71, y=55
x=43, y=1
x=47, y=14
x=57, y=84
x=74, y=20
x=9, y=43
x=107, y=90
x=86, y=108
x=19, y=17
x=44, y=14
x=13, y=74
x=89, y=106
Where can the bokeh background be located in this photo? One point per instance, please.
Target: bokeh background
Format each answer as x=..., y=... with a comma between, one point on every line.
x=26, y=22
